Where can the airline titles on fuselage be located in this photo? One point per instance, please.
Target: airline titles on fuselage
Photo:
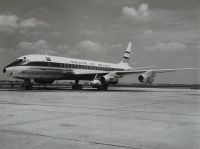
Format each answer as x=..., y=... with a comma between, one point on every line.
x=88, y=63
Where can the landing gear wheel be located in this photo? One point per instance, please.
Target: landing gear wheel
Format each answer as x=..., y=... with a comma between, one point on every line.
x=27, y=85
x=77, y=87
x=103, y=87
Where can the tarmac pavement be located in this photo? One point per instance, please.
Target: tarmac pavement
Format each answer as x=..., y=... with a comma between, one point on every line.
x=121, y=118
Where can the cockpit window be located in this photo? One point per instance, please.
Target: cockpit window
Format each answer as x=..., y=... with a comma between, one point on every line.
x=15, y=63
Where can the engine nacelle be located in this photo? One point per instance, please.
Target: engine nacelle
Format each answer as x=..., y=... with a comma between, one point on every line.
x=95, y=83
x=109, y=79
x=43, y=81
x=147, y=77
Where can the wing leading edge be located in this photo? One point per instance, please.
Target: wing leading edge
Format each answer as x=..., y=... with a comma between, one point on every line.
x=154, y=70
x=139, y=71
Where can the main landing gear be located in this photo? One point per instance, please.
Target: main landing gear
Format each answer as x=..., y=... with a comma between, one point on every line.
x=77, y=86
x=103, y=87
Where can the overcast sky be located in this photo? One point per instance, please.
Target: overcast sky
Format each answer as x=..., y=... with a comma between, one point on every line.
x=164, y=33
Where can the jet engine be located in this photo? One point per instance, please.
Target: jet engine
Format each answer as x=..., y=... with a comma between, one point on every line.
x=104, y=81
x=43, y=81
x=109, y=79
x=147, y=77
x=95, y=83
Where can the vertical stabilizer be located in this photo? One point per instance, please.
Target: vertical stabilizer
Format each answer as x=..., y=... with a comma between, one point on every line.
x=127, y=53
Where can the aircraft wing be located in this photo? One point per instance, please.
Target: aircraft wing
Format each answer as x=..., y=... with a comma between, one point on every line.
x=173, y=70
x=153, y=70
x=129, y=72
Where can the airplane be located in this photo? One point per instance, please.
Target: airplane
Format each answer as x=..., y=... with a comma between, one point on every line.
x=45, y=69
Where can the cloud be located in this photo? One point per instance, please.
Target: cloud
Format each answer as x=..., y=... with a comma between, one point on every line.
x=8, y=23
x=115, y=46
x=88, y=45
x=85, y=48
x=11, y=22
x=148, y=32
x=170, y=46
x=63, y=47
x=89, y=32
x=56, y=34
x=114, y=2
x=32, y=23
x=40, y=46
x=132, y=13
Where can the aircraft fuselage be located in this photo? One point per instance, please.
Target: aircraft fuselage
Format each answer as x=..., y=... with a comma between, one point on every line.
x=58, y=68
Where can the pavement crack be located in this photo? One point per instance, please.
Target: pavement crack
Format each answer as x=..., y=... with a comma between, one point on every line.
x=70, y=139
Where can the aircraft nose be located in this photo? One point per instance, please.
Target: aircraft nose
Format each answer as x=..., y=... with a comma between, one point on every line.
x=4, y=70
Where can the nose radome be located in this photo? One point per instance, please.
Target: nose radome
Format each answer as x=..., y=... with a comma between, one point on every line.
x=4, y=70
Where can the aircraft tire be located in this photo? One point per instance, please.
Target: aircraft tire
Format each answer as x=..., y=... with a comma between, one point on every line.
x=77, y=87
x=28, y=87
x=103, y=88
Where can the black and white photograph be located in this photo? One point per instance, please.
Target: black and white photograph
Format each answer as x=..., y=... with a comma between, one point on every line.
x=99, y=74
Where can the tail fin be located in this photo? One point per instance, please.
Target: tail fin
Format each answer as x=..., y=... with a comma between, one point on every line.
x=127, y=53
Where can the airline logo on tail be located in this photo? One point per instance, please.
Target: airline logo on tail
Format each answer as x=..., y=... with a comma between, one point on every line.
x=127, y=53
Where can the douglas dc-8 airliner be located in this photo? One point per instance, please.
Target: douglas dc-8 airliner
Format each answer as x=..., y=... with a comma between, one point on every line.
x=45, y=69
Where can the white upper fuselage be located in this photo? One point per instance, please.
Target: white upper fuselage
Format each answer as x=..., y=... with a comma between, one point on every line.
x=54, y=67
